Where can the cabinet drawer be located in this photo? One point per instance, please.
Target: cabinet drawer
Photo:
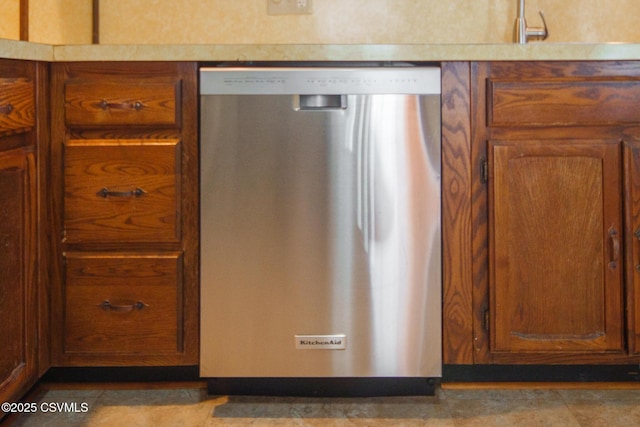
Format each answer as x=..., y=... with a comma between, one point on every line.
x=121, y=191
x=583, y=101
x=123, y=303
x=17, y=106
x=122, y=102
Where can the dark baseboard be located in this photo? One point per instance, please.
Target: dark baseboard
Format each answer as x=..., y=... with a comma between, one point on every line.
x=309, y=387
x=350, y=386
x=547, y=373
x=322, y=387
x=123, y=374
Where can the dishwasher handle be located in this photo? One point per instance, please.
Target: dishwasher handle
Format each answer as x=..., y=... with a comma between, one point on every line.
x=319, y=102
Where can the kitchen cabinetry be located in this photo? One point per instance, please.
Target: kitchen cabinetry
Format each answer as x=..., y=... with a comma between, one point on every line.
x=554, y=221
x=125, y=160
x=550, y=197
x=21, y=327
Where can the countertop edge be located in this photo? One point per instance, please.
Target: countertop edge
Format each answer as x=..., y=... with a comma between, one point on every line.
x=11, y=49
x=389, y=52
x=15, y=49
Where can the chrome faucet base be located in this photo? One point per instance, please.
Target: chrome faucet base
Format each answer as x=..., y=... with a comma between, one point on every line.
x=522, y=33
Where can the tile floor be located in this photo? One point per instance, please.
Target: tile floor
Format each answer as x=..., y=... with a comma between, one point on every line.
x=482, y=406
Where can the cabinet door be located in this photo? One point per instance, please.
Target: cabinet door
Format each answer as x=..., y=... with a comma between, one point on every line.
x=555, y=274
x=631, y=155
x=17, y=273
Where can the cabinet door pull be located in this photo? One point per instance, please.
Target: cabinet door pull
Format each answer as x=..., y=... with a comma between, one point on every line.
x=615, y=247
x=107, y=306
x=105, y=192
x=135, y=105
x=6, y=109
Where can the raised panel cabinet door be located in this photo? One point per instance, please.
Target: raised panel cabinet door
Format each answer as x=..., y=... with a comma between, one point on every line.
x=631, y=156
x=17, y=273
x=555, y=264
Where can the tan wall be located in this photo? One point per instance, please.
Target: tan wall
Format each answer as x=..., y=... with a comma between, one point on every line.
x=333, y=21
x=10, y=19
x=60, y=21
x=363, y=21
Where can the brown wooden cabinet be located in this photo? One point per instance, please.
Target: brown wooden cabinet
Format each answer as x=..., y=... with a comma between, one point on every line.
x=23, y=292
x=125, y=177
x=555, y=226
x=546, y=185
x=18, y=292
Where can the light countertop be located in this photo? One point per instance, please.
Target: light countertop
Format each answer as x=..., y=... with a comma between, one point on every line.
x=11, y=49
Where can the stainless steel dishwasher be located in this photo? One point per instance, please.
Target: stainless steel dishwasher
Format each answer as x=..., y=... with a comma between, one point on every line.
x=320, y=229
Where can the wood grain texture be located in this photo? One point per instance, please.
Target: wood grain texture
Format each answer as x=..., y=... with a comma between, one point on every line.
x=122, y=101
x=631, y=156
x=158, y=153
x=583, y=101
x=122, y=167
x=556, y=281
x=22, y=274
x=41, y=139
x=123, y=280
x=17, y=105
x=18, y=292
x=479, y=213
x=456, y=215
x=612, y=328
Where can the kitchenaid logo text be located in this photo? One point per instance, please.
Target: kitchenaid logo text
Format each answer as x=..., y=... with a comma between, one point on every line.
x=321, y=342
x=318, y=342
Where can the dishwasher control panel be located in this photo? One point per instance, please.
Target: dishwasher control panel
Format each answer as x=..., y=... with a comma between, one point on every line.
x=352, y=81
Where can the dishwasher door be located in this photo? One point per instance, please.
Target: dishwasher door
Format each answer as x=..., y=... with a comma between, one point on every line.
x=320, y=228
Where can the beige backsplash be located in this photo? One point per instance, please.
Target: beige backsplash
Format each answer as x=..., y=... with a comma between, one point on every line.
x=364, y=21
x=10, y=19
x=50, y=21
x=333, y=21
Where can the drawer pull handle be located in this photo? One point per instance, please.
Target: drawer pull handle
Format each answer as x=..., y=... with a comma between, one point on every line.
x=6, y=109
x=107, y=306
x=106, y=105
x=105, y=192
